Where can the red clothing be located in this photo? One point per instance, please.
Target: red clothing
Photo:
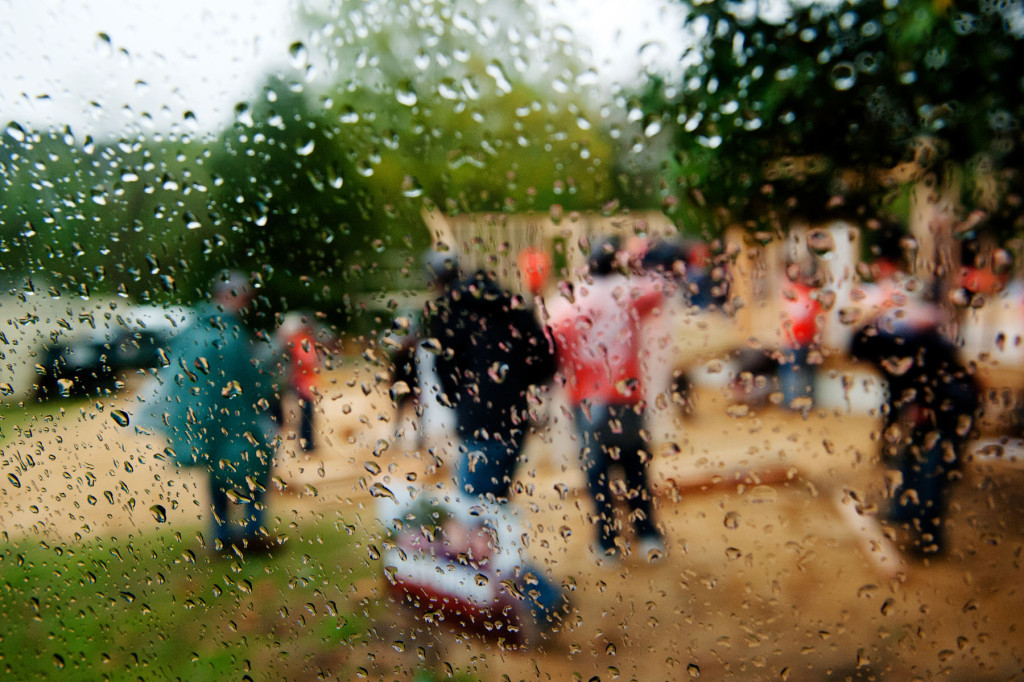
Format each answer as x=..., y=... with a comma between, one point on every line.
x=598, y=338
x=302, y=371
x=801, y=315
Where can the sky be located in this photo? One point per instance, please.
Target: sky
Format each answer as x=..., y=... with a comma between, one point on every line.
x=109, y=66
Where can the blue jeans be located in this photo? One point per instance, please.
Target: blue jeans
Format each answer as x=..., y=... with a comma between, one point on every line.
x=486, y=467
x=610, y=436
x=796, y=377
x=920, y=499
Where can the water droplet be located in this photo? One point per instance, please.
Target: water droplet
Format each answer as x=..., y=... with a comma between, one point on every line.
x=820, y=241
x=232, y=389
x=513, y=590
x=844, y=76
x=738, y=410
x=119, y=416
x=763, y=493
x=14, y=480
x=732, y=520
x=334, y=178
x=693, y=670
x=399, y=390
x=16, y=131
x=349, y=115
x=159, y=513
x=405, y=94
x=411, y=187
x=298, y=54
x=497, y=372
x=562, y=490
x=243, y=114
x=381, y=490
x=306, y=149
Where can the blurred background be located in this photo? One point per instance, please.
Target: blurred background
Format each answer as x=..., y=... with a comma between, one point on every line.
x=322, y=148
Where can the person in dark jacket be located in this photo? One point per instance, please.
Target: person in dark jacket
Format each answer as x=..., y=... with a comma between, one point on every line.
x=492, y=354
x=932, y=400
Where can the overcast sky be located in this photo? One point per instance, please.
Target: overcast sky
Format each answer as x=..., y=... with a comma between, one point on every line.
x=114, y=65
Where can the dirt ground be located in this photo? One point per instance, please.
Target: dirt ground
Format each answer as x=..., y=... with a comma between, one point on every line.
x=776, y=567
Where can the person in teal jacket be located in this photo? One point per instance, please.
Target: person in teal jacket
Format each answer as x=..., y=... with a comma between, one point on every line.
x=212, y=400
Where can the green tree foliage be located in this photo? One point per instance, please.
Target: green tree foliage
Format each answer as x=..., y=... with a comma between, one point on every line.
x=840, y=103
x=81, y=217
x=319, y=183
x=471, y=108
x=292, y=206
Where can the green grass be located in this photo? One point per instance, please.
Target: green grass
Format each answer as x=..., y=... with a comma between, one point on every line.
x=159, y=607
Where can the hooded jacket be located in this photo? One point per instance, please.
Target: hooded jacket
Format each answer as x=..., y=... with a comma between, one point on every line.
x=210, y=400
x=491, y=350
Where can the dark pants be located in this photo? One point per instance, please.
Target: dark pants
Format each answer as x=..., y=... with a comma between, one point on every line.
x=306, y=425
x=229, y=532
x=921, y=498
x=611, y=436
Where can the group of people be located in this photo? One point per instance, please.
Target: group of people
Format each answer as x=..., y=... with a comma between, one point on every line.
x=496, y=350
x=493, y=355
x=217, y=401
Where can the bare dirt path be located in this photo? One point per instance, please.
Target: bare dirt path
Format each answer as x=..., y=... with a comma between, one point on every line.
x=772, y=572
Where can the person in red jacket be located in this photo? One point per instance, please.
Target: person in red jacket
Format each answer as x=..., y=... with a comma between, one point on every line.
x=297, y=337
x=597, y=331
x=801, y=326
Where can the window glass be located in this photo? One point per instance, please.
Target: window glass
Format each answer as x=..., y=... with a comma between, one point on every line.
x=502, y=339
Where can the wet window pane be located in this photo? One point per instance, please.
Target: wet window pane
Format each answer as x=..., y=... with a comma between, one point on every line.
x=504, y=340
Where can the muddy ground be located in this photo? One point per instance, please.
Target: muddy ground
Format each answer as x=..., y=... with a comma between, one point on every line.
x=776, y=566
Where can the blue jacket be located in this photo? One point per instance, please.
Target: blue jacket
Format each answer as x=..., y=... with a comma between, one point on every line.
x=212, y=400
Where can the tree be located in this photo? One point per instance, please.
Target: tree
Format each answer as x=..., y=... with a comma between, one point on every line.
x=319, y=184
x=470, y=108
x=843, y=105
x=87, y=217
